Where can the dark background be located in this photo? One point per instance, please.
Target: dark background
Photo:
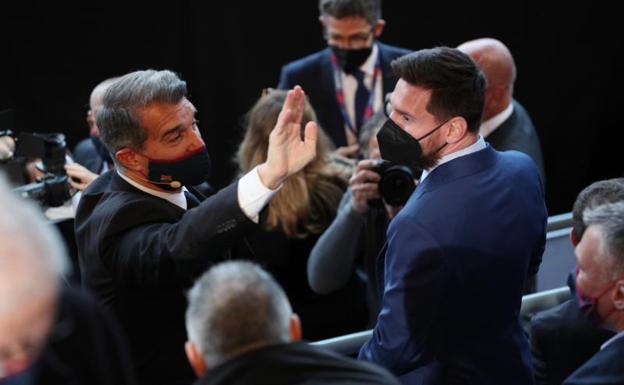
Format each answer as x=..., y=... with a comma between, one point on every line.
x=569, y=65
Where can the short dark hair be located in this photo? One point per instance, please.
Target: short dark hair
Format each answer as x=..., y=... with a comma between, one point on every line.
x=457, y=85
x=596, y=194
x=367, y=9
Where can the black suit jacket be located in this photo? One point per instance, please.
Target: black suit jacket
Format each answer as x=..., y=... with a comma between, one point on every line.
x=561, y=341
x=87, y=156
x=139, y=253
x=314, y=73
x=292, y=364
x=518, y=133
x=604, y=368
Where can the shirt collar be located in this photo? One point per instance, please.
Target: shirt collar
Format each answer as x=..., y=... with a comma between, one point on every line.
x=492, y=124
x=177, y=198
x=610, y=340
x=476, y=146
x=369, y=65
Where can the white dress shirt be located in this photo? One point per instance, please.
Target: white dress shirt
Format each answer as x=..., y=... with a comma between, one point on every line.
x=492, y=124
x=252, y=194
x=476, y=146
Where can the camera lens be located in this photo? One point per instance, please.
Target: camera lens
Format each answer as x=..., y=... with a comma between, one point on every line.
x=396, y=184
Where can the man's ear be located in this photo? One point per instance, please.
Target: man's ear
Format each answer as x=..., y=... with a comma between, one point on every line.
x=457, y=128
x=573, y=239
x=295, y=328
x=195, y=359
x=379, y=27
x=618, y=295
x=129, y=159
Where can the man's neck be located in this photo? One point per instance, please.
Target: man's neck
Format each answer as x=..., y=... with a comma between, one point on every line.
x=467, y=141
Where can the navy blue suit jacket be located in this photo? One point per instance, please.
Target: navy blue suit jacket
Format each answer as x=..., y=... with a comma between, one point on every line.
x=454, y=267
x=604, y=368
x=314, y=73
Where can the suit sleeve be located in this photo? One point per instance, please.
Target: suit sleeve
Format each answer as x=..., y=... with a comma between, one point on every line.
x=538, y=333
x=414, y=278
x=156, y=253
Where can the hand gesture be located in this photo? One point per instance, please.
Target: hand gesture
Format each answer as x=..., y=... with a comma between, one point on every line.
x=288, y=151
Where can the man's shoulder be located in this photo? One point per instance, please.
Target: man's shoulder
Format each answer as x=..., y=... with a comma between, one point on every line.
x=307, y=63
x=557, y=319
x=604, y=367
x=392, y=52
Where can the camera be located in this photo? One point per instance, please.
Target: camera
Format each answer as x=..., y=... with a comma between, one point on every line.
x=52, y=189
x=396, y=183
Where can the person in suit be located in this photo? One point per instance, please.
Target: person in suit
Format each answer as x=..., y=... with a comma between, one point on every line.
x=465, y=241
x=242, y=330
x=90, y=155
x=141, y=231
x=506, y=124
x=49, y=333
x=561, y=338
x=295, y=218
x=347, y=81
x=600, y=291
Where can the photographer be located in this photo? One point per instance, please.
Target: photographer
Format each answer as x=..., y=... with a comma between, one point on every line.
x=358, y=232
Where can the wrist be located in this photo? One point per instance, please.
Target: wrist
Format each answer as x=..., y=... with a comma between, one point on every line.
x=269, y=179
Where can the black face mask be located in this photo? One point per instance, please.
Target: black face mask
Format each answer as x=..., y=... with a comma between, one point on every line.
x=351, y=59
x=396, y=145
x=101, y=149
x=173, y=174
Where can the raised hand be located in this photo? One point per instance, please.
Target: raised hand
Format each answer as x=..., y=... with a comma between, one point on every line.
x=289, y=151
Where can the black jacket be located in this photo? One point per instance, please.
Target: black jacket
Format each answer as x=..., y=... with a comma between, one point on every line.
x=139, y=254
x=292, y=364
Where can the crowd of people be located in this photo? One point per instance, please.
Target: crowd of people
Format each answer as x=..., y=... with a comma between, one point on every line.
x=181, y=283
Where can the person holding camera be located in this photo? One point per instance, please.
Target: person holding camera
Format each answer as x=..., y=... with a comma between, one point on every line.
x=356, y=235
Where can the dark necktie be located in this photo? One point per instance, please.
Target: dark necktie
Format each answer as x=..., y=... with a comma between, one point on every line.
x=191, y=200
x=362, y=95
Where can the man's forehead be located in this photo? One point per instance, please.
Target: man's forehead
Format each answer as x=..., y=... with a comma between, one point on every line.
x=158, y=116
x=406, y=94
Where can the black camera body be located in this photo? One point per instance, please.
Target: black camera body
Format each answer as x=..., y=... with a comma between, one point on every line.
x=396, y=183
x=52, y=189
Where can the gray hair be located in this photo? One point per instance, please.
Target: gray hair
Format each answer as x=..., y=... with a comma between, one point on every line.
x=118, y=120
x=234, y=306
x=610, y=219
x=27, y=243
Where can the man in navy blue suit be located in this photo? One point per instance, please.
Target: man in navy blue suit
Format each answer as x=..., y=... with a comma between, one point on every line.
x=600, y=291
x=347, y=81
x=459, y=252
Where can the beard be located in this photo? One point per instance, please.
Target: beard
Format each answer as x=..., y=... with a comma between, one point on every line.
x=427, y=161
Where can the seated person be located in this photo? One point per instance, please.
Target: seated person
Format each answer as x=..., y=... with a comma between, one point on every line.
x=242, y=330
x=49, y=333
x=561, y=338
x=295, y=218
x=600, y=291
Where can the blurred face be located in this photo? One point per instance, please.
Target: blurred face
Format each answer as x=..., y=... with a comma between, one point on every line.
x=350, y=32
x=172, y=133
x=409, y=111
x=373, y=148
x=593, y=278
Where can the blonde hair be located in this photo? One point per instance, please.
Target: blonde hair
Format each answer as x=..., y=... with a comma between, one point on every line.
x=308, y=200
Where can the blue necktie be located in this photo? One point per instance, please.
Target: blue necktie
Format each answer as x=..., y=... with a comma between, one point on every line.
x=362, y=95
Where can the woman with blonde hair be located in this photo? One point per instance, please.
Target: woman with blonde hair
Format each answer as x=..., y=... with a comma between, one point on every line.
x=294, y=219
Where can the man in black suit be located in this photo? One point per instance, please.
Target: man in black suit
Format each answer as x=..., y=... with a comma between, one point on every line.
x=561, y=338
x=600, y=291
x=242, y=331
x=143, y=236
x=347, y=81
x=506, y=125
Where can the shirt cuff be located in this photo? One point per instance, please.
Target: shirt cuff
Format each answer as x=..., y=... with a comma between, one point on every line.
x=253, y=195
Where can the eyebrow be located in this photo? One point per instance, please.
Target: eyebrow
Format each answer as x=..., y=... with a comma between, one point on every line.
x=171, y=131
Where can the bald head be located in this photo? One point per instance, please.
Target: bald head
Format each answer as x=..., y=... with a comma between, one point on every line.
x=496, y=62
x=95, y=102
x=32, y=261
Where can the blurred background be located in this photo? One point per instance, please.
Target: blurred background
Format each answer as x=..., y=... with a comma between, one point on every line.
x=569, y=60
